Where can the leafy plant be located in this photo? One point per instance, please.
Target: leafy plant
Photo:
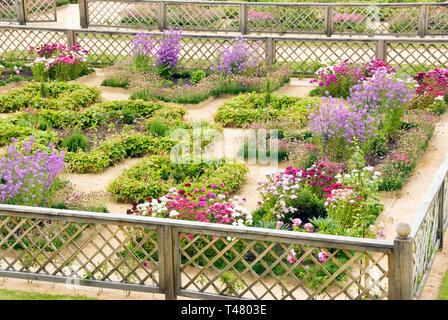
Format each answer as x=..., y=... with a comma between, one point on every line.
x=76, y=141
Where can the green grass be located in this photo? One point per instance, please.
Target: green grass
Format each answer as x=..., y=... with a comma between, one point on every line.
x=23, y=295
x=443, y=292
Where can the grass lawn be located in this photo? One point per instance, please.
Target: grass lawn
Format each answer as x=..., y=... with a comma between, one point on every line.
x=443, y=293
x=22, y=295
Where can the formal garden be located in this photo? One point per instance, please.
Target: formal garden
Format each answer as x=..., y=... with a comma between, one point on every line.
x=321, y=161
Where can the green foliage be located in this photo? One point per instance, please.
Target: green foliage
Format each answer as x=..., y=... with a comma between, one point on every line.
x=197, y=76
x=112, y=82
x=155, y=175
x=248, y=108
x=22, y=295
x=115, y=149
x=443, y=291
x=158, y=127
x=58, y=96
x=76, y=141
x=151, y=86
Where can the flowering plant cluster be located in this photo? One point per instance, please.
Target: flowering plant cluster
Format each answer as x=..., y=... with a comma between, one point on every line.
x=432, y=86
x=260, y=16
x=344, y=17
x=402, y=159
x=26, y=177
x=142, y=47
x=199, y=205
x=164, y=54
x=385, y=96
x=296, y=193
x=335, y=127
x=377, y=64
x=58, y=62
x=353, y=202
x=167, y=54
x=238, y=57
x=338, y=79
x=345, y=22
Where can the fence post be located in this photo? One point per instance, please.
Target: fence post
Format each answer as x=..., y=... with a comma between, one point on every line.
x=269, y=51
x=71, y=38
x=166, y=262
x=20, y=11
x=402, y=264
x=83, y=14
x=243, y=18
x=422, y=18
x=162, y=15
x=381, y=50
x=328, y=20
x=441, y=196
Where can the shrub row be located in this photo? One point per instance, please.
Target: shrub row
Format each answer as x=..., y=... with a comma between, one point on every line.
x=252, y=108
x=56, y=95
x=155, y=175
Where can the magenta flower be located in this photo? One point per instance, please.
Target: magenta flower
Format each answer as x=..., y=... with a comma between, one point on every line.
x=322, y=256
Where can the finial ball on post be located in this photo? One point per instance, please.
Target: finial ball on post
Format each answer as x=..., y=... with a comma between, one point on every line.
x=403, y=230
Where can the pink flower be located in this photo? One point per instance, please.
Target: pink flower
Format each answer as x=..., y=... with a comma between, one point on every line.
x=279, y=224
x=296, y=222
x=322, y=256
x=190, y=236
x=291, y=258
x=308, y=226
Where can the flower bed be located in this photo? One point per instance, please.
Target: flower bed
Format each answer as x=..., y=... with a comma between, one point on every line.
x=155, y=175
x=104, y=133
x=55, y=61
x=13, y=72
x=57, y=96
x=156, y=72
x=254, y=108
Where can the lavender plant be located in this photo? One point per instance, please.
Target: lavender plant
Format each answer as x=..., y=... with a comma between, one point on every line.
x=238, y=57
x=167, y=55
x=26, y=177
x=385, y=97
x=335, y=128
x=142, y=47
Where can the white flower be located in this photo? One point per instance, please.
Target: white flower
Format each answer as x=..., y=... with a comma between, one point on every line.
x=174, y=213
x=377, y=173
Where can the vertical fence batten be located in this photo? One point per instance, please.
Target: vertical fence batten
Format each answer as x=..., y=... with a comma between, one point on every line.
x=20, y=12
x=83, y=14
x=328, y=20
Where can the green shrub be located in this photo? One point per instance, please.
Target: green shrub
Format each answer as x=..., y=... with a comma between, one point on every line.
x=197, y=76
x=155, y=175
x=58, y=96
x=77, y=141
x=247, y=109
x=115, y=149
x=157, y=127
